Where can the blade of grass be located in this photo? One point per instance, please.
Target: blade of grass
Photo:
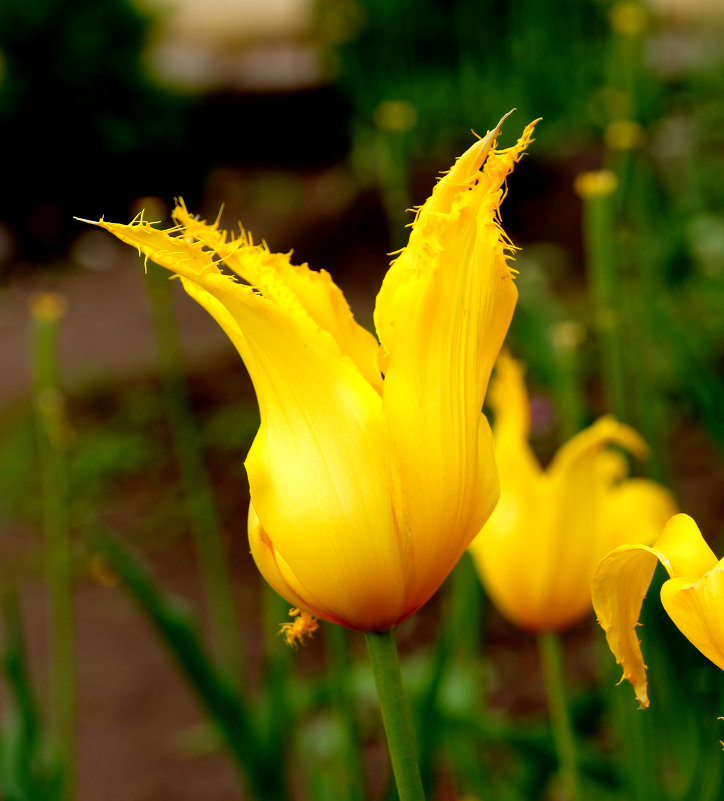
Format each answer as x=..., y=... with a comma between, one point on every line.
x=53, y=439
x=28, y=770
x=597, y=190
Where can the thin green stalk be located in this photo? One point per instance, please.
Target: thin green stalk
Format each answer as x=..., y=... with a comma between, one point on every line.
x=339, y=676
x=278, y=697
x=563, y=737
x=382, y=648
x=639, y=301
x=53, y=435
x=566, y=337
x=631, y=730
x=393, y=180
x=201, y=507
x=597, y=191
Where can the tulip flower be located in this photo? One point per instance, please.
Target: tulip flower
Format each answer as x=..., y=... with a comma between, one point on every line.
x=693, y=596
x=537, y=552
x=373, y=466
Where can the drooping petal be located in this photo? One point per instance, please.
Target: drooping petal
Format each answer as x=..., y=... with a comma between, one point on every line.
x=319, y=468
x=441, y=315
x=618, y=590
x=622, y=578
x=697, y=609
x=277, y=278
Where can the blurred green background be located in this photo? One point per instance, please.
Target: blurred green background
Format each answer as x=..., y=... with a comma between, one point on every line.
x=318, y=124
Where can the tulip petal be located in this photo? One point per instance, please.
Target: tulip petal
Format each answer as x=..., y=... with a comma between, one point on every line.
x=509, y=550
x=622, y=578
x=618, y=590
x=323, y=423
x=636, y=508
x=441, y=314
x=687, y=554
x=323, y=436
x=277, y=573
x=277, y=278
x=582, y=478
x=696, y=609
x=266, y=559
x=509, y=400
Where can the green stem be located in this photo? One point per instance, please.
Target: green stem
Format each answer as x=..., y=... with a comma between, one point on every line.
x=53, y=436
x=339, y=680
x=553, y=673
x=382, y=648
x=200, y=502
x=393, y=182
x=599, y=235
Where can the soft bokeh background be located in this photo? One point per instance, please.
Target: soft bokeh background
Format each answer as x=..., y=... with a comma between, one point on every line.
x=317, y=124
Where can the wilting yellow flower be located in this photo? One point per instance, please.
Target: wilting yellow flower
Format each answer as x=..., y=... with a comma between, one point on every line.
x=373, y=467
x=693, y=596
x=537, y=553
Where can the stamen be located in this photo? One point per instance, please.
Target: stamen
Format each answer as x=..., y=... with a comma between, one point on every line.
x=303, y=625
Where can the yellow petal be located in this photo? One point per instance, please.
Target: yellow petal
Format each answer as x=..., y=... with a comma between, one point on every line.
x=277, y=278
x=697, y=610
x=583, y=476
x=622, y=578
x=686, y=552
x=441, y=315
x=269, y=564
x=618, y=589
x=319, y=469
x=635, y=509
x=508, y=552
x=508, y=398
x=505, y=552
x=277, y=573
x=580, y=452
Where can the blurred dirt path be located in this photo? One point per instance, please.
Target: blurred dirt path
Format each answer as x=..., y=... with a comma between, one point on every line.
x=106, y=334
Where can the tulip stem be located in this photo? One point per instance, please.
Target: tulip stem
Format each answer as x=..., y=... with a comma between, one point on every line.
x=552, y=658
x=53, y=445
x=382, y=648
x=603, y=270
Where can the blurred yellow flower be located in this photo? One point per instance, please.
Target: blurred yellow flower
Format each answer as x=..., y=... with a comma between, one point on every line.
x=373, y=467
x=693, y=596
x=537, y=552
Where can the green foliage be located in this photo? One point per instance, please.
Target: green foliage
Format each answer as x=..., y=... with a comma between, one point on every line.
x=28, y=769
x=465, y=64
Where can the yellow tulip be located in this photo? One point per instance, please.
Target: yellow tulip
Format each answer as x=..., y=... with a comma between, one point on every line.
x=693, y=596
x=373, y=466
x=537, y=553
